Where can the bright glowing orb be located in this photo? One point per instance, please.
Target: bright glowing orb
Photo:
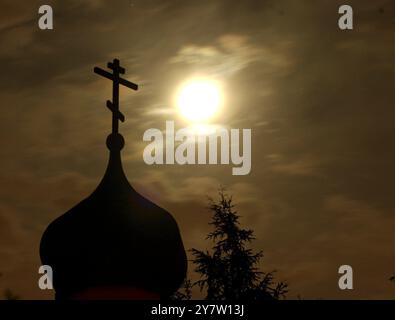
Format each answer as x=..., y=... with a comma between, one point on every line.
x=199, y=100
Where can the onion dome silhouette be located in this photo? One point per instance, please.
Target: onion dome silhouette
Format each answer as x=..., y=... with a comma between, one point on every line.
x=115, y=243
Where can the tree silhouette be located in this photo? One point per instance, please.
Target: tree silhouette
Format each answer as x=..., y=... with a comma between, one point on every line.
x=184, y=293
x=9, y=295
x=230, y=272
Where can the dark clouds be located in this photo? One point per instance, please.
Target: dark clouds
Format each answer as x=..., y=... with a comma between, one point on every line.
x=319, y=101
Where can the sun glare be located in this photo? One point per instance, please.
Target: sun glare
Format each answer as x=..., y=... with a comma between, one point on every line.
x=199, y=100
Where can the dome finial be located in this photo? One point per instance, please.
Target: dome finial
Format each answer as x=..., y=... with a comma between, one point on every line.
x=115, y=140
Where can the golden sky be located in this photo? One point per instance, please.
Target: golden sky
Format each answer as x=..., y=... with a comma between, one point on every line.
x=319, y=102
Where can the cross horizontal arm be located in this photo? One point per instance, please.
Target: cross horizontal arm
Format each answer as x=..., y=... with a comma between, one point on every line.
x=122, y=81
x=128, y=84
x=116, y=66
x=103, y=73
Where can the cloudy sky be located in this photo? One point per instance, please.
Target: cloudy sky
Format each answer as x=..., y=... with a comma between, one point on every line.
x=319, y=102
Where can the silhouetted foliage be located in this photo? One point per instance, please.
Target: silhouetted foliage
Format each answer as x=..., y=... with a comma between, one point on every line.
x=230, y=271
x=184, y=293
x=9, y=295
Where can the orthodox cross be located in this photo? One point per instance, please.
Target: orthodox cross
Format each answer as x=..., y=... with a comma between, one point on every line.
x=116, y=81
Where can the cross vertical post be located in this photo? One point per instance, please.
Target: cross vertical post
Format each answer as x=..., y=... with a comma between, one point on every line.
x=115, y=95
x=116, y=81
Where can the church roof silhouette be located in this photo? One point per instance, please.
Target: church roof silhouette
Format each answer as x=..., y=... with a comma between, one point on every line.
x=115, y=243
